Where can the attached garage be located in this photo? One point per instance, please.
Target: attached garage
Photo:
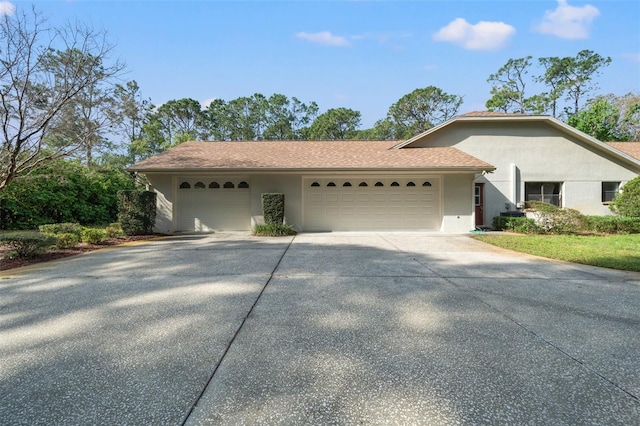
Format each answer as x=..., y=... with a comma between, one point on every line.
x=357, y=204
x=207, y=204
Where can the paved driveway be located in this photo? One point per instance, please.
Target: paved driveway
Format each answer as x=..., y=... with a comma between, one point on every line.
x=362, y=328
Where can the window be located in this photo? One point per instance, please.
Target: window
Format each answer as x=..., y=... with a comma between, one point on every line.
x=411, y=184
x=331, y=184
x=549, y=192
x=363, y=184
x=346, y=184
x=315, y=184
x=379, y=184
x=228, y=185
x=395, y=184
x=185, y=185
x=199, y=185
x=214, y=185
x=243, y=185
x=426, y=184
x=609, y=191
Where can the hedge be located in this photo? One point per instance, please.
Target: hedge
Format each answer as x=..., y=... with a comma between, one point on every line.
x=137, y=212
x=273, y=208
x=27, y=244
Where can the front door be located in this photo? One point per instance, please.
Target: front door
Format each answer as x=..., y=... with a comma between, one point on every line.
x=479, y=202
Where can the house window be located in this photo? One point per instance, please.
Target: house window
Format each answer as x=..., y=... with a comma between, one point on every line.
x=214, y=185
x=199, y=185
x=609, y=191
x=228, y=185
x=346, y=184
x=315, y=184
x=331, y=184
x=426, y=184
x=411, y=184
x=243, y=185
x=185, y=185
x=395, y=184
x=363, y=184
x=548, y=192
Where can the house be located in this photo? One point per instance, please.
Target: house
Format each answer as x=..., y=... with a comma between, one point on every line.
x=451, y=178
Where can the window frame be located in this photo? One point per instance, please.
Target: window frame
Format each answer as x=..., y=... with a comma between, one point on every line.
x=542, y=195
x=604, y=192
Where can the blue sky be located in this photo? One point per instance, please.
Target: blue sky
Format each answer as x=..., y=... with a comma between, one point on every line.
x=363, y=55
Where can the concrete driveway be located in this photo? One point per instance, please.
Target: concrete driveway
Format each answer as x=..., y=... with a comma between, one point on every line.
x=345, y=328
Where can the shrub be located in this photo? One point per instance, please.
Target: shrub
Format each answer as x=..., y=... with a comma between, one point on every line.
x=523, y=225
x=61, y=228
x=552, y=219
x=137, y=212
x=114, y=230
x=93, y=235
x=627, y=202
x=500, y=223
x=273, y=208
x=66, y=241
x=273, y=230
x=613, y=224
x=27, y=244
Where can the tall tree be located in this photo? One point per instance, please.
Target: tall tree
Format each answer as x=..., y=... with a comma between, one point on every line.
x=578, y=74
x=335, y=124
x=600, y=120
x=34, y=90
x=129, y=114
x=179, y=120
x=508, y=86
x=419, y=111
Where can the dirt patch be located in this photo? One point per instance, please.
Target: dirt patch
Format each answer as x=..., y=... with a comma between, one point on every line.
x=59, y=254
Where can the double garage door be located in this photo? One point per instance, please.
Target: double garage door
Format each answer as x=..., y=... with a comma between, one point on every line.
x=372, y=204
x=213, y=204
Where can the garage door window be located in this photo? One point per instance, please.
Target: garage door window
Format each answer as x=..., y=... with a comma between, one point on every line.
x=426, y=183
x=331, y=184
x=243, y=185
x=379, y=184
x=214, y=185
x=363, y=184
x=346, y=184
x=228, y=185
x=185, y=185
x=199, y=185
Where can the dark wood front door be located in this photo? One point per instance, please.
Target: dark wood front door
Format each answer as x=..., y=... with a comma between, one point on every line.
x=479, y=202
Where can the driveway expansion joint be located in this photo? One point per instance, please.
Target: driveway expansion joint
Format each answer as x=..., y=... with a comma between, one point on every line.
x=235, y=335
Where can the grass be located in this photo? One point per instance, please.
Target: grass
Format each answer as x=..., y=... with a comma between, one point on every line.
x=611, y=251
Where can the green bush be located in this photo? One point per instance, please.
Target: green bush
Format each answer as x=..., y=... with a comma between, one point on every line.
x=273, y=208
x=500, y=223
x=627, y=202
x=137, y=212
x=613, y=224
x=26, y=244
x=515, y=224
x=94, y=235
x=66, y=241
x=61, y=228
x=114, y=230
x=273, y=230
x=62, y=191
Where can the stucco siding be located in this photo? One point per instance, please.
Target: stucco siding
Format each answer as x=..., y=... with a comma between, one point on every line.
x=163, y=186
x=534, y=152
x=458, y=215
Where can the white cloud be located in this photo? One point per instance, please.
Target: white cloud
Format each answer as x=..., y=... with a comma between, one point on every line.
x=325, y=38
x=7, y=8
x=482, y=36
x=205, y=104
x=570, y=22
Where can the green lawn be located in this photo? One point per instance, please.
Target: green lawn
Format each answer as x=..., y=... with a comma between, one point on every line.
x=613, y=251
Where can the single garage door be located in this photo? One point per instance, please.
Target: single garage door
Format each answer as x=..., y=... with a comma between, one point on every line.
x=213, y=204
x=372, y=204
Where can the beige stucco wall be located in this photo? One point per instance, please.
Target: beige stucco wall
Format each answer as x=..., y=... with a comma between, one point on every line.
x=534, y=152
x=457, y=203
x=455, y=196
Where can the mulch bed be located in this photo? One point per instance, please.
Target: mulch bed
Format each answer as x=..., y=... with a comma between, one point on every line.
x=59, y=254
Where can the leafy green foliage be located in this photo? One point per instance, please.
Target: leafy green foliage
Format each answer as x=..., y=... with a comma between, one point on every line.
x=508, y=87
x=627, y=202
x=61, y=228
x=600, y=119
x=273, y=230
x=516, y=224
x=613, y=224
x=62, y=191
x=137, y=212
x=114, y=230
x=26, y=244
x=94, y=235
x=66, y=240
x=273, y=208
x=335, y=124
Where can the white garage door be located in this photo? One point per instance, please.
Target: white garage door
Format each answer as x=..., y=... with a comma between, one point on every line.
x=372, y=204
x=213, y=204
